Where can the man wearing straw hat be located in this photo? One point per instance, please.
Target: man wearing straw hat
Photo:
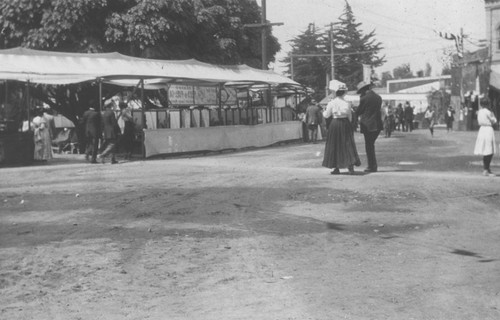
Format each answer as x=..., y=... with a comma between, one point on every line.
x=369, y=110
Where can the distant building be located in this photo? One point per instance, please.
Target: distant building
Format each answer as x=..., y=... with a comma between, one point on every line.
x=419, y=85
x=492, y=8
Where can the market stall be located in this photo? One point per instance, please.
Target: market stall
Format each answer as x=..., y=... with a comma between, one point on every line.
x=198, y=84
x=16, y=140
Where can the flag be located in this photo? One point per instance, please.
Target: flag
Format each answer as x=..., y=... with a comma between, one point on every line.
x=459, y=41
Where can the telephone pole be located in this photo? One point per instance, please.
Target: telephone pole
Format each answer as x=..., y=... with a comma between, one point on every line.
x=263, y=25
x=332, y=61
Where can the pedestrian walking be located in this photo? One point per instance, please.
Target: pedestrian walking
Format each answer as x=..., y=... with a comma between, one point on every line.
x=430, y=118
x=42, y=136
x=340, y=147
x=313, y=120
x=110, y=131
x=388, y=120
x=370, y=121
x=449, y=117
x=408, y=116
x=485, y=142
x=91, y=122
x=127, y=136
x=400, y=118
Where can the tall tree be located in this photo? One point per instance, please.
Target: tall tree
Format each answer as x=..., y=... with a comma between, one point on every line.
x=386, y=76
x=428, y=70
x=353, y=48
x=403, y=72
x=208, y=30
x=308, y=69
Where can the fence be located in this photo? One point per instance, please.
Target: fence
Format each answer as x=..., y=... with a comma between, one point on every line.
x=196, y=118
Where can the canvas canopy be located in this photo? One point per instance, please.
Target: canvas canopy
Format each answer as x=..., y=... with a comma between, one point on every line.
x=49, y=67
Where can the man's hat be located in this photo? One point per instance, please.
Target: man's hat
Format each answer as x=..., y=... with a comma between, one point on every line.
x=361, y=85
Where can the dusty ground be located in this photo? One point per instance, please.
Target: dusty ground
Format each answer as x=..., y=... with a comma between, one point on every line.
x=259, y=234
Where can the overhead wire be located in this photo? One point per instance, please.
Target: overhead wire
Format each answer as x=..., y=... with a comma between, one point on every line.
x=393, y=18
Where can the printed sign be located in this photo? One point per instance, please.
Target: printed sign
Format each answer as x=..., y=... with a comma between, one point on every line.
x=178, y=94
x=200, y=95
x=205, y=95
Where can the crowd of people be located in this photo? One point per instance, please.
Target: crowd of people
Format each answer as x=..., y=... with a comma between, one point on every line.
x=104, y=133
x=104, y=130
x=340, y=148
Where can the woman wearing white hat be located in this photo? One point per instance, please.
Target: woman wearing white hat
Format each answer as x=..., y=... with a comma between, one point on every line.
x=340, y=148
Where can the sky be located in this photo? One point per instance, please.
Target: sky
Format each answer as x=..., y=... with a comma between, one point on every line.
x=406, y=28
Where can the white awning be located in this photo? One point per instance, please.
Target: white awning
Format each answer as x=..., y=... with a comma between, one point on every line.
x=63, y=68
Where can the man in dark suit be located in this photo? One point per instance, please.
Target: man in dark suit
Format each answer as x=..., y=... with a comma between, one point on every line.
x=91, y=122
x=110, y=131
x=369, y=110
x=314, y=117
x=408, y=117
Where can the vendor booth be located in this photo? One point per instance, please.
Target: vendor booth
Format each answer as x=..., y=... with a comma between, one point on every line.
x=206, y=107
x=16, y=140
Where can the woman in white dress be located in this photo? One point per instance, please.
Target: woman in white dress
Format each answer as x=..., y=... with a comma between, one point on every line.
x=42, y=137
x=340, y=147
x=485, y=142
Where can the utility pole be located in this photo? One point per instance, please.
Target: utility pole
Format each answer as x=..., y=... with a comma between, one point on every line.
x=460, y=50
x=263, y=36
x=263, y=25
x=332, y=61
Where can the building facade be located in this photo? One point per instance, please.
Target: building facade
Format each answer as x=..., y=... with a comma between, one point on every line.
x=492, y=8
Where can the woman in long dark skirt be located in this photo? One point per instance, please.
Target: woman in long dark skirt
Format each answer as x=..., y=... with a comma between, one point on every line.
x=340, y=148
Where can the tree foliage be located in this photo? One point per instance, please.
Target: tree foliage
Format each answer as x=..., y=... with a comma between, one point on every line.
x=309, y=70
x=212, y=31
x=352, y=49
x=403, y=72
x=428, y=70
x=209, y=30
x=386, y=76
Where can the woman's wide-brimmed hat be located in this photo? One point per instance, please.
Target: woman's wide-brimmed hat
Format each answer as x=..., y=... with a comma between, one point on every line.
x=336, y=85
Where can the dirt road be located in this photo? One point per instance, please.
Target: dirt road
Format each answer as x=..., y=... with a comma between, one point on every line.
x=259, y=234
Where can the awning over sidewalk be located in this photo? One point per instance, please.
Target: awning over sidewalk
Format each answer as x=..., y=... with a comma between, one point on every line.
x=51, y=67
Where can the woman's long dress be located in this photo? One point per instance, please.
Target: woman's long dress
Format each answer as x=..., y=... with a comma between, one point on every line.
x=42, y=139
x=340, y=147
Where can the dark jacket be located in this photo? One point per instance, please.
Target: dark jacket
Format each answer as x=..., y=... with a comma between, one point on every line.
x=91, y=122
x=408, y=113
x=449, y=118
x=110, y=126
x=369, y=110
x=314, y=115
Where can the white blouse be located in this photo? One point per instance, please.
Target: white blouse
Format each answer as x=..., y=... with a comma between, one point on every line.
x=338, y=108
x=486, y=118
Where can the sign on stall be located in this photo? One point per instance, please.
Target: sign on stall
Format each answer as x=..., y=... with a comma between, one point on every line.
x=179, y=94
x=199, y=95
